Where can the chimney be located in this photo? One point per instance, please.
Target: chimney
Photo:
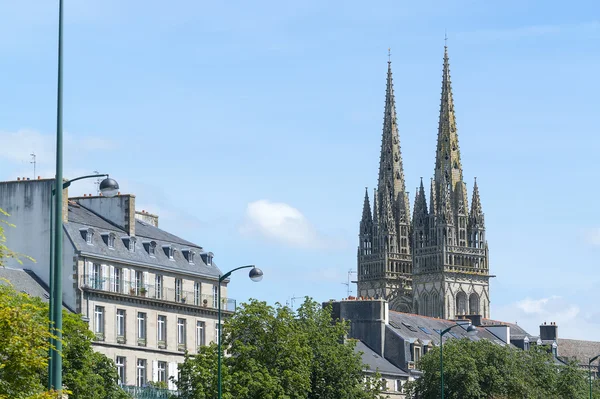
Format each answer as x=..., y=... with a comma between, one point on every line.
x=475, y=319
x=549, y=332
x=147, y=218
x=501, y=331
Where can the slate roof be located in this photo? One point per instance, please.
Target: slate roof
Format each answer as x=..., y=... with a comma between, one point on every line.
x=25, y=281
x=376, y=362
x=82, y=218
x=516, y=332
x=581, y=351
x=412, y=327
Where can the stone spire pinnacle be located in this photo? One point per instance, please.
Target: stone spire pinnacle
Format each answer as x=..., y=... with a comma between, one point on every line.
x=366, y=215
x=420, y=209
x=447, y=163
x=476, y=218
x=445, y=203
x=432, y=198
x=391, y=173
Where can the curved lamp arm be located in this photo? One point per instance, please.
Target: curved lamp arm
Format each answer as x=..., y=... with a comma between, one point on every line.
x=592, y=359
x=223, y=277
x=68, y=182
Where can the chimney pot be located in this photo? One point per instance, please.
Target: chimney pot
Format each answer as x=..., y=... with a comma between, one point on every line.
x=18, y=179
x=118, y=193
x=85, y=195
x=39, y=177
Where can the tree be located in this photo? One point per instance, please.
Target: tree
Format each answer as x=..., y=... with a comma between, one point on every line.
x=482, y=369
x=275, y=353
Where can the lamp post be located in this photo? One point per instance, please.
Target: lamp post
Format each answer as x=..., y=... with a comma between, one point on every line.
x=590, y=370
x=471, y=330
x=109, y=188
x=255, y=275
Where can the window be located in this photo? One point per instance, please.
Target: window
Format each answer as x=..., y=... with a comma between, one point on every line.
x=180, y=334
x=215, y=296
x=141, y=372
x=398, y=386
x=162, y=371
x=139, y=281
x=131, y=245
x=89, y=235
x=169, y=251
x=178, y=288
x=200, y=336
x=121, y=325
x=151, y=248
x=99, y=322
x=141, y=328
x=120, y=362
x=161, y=336
x=417, y=353
x=425, y=330
x=111, y=241
x=217, y=333
x=197, y=292
x=116, y=280
x=96, y=276
x=158, y=285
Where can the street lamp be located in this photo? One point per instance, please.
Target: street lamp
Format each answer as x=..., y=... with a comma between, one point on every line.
x=590, y=370
x=109, y=188
x=471, y=330
x=255, y=275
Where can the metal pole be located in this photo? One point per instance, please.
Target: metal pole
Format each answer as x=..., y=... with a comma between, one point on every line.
x=219, y=341
x=441, y=366
x=51, y=317
x=58, y=233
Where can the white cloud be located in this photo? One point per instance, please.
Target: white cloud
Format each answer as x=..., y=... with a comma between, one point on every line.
x=573, y=321
x=280, y=222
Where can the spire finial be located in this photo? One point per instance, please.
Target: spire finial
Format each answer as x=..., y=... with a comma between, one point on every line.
x=445, y=38
x=389, y=54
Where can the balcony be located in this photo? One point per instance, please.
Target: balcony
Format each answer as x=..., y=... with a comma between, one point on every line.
x=149, y=392
x=137, y=289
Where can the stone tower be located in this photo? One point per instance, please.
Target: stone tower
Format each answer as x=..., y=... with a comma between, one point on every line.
x=384, y=251
x=450, y=253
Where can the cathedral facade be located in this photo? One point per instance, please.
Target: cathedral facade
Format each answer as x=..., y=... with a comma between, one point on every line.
x=435, y=263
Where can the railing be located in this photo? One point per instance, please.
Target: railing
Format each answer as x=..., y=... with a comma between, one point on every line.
x=149, y=392
x=138, y=289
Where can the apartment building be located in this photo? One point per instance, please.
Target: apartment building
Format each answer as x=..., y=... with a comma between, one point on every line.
x=147, y=294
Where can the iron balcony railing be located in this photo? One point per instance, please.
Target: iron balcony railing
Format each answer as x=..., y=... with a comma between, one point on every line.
x=138, y=289
x=149, y=392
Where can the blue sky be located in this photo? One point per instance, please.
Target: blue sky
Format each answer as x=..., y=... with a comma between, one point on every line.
x=252, y=129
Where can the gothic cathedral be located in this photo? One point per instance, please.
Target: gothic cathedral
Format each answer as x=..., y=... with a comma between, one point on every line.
x=437, y=264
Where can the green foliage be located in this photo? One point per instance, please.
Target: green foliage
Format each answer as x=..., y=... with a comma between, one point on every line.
x=24, y=346
x=482, y=369
x=275, y=353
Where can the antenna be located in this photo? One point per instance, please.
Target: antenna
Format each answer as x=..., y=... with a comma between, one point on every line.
x=97, y=183
x=33, y=161
x=347, y=284
x=293, y=299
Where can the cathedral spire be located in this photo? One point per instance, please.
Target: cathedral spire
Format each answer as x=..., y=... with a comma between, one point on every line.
x=476, y=216
x=391, y=173
x=366, y=215
x=447, y=163
x=420, y=209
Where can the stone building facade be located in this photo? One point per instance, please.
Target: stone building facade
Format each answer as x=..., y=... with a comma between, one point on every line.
x=437, y=263
x=147, y=294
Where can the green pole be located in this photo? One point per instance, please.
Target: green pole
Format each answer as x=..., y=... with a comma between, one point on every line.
x=51, y=316
x=219, y=341
x=441, y=366
x=58, y=233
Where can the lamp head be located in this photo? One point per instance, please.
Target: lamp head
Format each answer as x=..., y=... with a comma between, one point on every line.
x=109, y=187
x=255, y=274
x=471, y=330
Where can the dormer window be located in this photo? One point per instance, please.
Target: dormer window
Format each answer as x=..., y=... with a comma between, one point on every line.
x=129, y=243
x=169, y=251
x=188, y=254
x=87, y=235
x=109, y=239
x=150, y=247
x=207, y=258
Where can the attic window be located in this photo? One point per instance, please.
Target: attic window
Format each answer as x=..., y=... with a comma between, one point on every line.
x=207, y=258
x=87, y=235
x=188, y=254
x=425, y=330
x=109, y=239
x=169, y=251
x=411, y=328
x=129, y=243
x=150, y=247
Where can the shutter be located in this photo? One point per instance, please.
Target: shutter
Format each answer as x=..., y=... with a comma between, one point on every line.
x=172, y=373
x=155, y=371
x=104, y=271
x=111, y=275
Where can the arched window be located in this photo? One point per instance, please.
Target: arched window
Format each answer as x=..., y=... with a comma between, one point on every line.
x=474, y=304
x=435, y=305
x=461, y=303
x=425, y=304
